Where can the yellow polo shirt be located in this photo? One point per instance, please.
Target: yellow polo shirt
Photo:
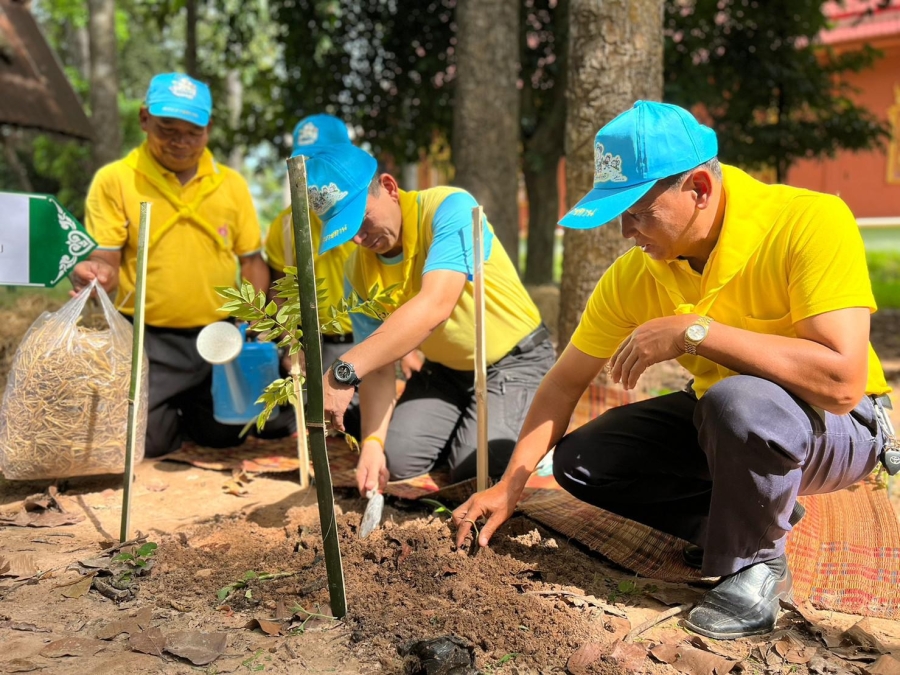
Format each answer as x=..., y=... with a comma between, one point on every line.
x=329, y=267
x=196, y=230
x=783, y=255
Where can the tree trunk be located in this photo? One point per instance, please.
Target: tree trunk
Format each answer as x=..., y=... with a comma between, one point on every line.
x=190, y=38
x=541, y=155
x=543, y=212
x=104, y=81
x=235, y=108
x=615, y=58
x=486, y=112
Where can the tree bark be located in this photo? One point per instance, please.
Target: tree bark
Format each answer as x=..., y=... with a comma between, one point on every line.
x=542, y=151
x=190, y=38
x=615, y=59
x=486, y=112
x=104, y=79
x=235, y=108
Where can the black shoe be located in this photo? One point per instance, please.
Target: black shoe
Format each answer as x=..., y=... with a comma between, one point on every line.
x=692, y=555
x=745, y=603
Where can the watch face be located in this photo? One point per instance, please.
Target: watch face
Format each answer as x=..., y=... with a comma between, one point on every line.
x=343, y=372
x=696, y=332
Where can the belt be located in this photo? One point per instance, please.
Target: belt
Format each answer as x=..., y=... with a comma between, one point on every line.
x=338, y=338
x=531, y=341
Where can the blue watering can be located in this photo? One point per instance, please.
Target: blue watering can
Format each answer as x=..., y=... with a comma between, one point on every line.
x=241, y=371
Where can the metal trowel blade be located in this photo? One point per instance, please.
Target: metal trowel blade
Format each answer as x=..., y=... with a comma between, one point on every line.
x=372, y=515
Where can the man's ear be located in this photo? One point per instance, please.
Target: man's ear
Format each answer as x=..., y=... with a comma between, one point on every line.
x=144, y=118
x=701, y=183
x=389, y=183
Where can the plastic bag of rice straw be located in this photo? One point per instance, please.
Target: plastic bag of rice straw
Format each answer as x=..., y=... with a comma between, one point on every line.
x=65, y=408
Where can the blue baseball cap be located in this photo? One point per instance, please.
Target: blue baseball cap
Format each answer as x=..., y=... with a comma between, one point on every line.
x=648, y=142
x=338, y=179
x=179, y=96
x=317, y=131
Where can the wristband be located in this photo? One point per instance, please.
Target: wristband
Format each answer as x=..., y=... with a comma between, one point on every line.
x=376, y=439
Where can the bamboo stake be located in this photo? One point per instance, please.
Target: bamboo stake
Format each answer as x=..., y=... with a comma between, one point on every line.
x=481, y=406
x=137, y=362
x=315, y=423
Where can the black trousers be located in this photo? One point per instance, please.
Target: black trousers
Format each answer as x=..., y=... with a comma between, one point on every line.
x=722, y=472
x=180, y=397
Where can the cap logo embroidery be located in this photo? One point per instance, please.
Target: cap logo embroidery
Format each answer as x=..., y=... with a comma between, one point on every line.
x=582, y=212
x=184, y=88
x=322, y=199
x=308, y=134
x=607, y=167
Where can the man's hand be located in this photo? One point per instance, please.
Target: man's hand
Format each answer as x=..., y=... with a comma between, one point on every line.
x=411, y=363
x=371, y=471
x=102, y=266
x=497, y=504
x=337, y=399
x=653, y=342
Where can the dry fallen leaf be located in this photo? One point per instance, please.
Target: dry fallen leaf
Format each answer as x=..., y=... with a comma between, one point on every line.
x=151, y=641
x=79, y=587
x=18, y=565
x=18, y=666
x=268, y=627
x=40, y=519
x=861, y=634
x=616, y=626
x=198, y=648
x=692, y=661
x=72, y=647
x=583, y=657
x=631, y=657
x=672, y=596
x=885, y=665
x=115, y=628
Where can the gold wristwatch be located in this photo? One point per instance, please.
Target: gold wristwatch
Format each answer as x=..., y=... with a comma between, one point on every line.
x=695, y=334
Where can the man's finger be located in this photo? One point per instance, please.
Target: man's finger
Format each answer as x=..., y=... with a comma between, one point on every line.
x=489, y=528
x=337, y=421
x=628, y=367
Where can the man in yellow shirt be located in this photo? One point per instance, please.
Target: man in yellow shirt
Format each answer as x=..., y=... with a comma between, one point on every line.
x=422, y=243
x=202, y=223
x=762, y=293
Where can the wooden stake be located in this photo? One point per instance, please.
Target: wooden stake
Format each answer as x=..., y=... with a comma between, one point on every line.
x=315, y=423
x=481, y=407
x=137, y=363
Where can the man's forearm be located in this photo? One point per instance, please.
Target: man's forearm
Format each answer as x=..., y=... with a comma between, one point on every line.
x=377, y=394
x=402, y=331
x=809, y=370
x=255, y=270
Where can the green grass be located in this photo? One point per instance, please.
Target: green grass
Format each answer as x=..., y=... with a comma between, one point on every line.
x=884, y=271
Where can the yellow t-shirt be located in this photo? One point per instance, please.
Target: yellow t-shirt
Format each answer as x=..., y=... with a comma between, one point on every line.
x=329, y=266
x=783, y=255
x=510, y=314
x=196, y=230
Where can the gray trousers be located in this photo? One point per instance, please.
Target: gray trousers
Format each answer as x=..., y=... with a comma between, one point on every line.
x=435, y=418
x=722, y=472
x=180, y=397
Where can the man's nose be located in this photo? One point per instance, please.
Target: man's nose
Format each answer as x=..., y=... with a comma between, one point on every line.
x=627, y=226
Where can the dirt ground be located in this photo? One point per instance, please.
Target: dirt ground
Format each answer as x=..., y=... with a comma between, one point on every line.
x=238, y=584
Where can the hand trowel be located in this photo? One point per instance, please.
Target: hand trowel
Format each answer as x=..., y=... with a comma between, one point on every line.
x=372, y=515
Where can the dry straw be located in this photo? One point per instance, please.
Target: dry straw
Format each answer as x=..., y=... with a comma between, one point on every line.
x=65, y=406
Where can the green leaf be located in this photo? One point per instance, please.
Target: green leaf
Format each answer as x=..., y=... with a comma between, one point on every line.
x=250, y=574
x=271, y=309
x=264, y=324
x=147, y=549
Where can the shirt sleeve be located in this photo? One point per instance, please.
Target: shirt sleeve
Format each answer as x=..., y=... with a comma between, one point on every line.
x=827, y=261
x=275, y=242
x=248, y=237
x=104, y=210
x=363, y=326
x=451, y=245
x=605, y=322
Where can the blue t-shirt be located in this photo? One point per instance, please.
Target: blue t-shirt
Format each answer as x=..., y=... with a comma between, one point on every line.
x=451, y=249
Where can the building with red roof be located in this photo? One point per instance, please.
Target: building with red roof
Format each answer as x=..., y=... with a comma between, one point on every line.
x=868, y=181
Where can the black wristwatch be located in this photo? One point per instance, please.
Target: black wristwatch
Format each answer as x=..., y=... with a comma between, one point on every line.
x=345, y=373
